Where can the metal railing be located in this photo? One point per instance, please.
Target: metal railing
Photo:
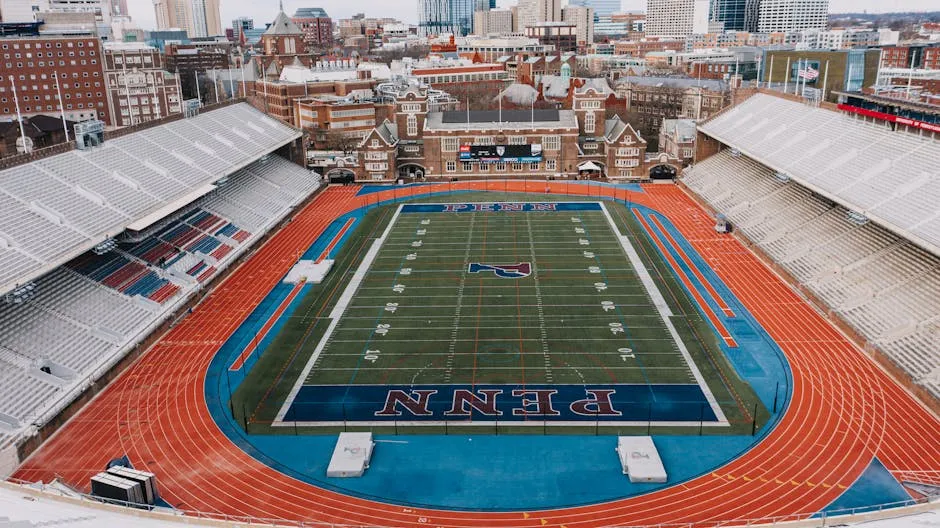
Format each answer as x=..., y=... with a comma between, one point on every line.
x=820, y=519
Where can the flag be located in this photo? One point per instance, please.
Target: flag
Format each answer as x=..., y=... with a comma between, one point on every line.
x=809, y=73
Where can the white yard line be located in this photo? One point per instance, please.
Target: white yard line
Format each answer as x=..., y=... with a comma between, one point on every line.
x=463, y=282
x=665, y=312
x=344, y=300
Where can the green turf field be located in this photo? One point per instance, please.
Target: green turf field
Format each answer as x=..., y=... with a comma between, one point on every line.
x=418, y=317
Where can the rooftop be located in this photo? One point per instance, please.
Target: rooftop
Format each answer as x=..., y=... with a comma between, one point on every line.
x=505, y=120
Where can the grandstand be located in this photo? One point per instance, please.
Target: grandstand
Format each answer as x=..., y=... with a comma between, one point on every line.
x=179, y=202
x=847, y=208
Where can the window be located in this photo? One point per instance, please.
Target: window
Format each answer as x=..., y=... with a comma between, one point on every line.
x=501, y=166
x=628, y=162
x=534, y=166
x=590, y=123
x=551, y=142
x=451, y=166
x=550, y=165
x=374, y=143
x=517, y=140
x=412, y=125
x=517, y=167
x=485, y=140
x=628, y=151
x=412, y=149
x=626, y=173
x=590, y=104
x=449, y=144
x=375, y=155
x=467, y=166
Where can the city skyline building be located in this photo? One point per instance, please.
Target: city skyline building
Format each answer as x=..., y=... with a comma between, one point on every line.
x=436, y=17
x=792, y=15
x=677, y=18
x=602, y=8
x=200, y=18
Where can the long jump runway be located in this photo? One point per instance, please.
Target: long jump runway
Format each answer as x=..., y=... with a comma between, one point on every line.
x=844, y=411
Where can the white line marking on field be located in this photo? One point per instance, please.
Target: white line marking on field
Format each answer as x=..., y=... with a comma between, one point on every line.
x=463, y=282
x=538, y=301
x=665, y=312
x=341, y=305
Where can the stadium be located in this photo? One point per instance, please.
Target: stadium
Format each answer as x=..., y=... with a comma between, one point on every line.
x=195, y=329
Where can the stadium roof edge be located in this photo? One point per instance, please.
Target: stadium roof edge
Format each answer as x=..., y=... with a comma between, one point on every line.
x=285, y=135
x=893, y=227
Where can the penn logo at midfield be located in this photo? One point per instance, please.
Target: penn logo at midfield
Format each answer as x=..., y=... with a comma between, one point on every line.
x=505, y=271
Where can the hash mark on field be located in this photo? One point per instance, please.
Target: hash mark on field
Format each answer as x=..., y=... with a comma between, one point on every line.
x=449, y=365
x=539, y=306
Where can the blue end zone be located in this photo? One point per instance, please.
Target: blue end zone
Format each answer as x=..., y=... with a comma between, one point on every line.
x=502, y=207
x=503, y=403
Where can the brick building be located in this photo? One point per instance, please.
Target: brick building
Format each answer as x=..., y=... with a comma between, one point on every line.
x=316, y=25
x=139, y=87
x=323, y=114
x=278, y=98
x=649, y=100
x=639, y=48
x=283, y=43
x=563, y=36
x=418, y=142
x=35, y=63
x=677, y=139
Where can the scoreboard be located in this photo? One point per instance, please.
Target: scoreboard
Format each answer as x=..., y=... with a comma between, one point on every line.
x=501, y=153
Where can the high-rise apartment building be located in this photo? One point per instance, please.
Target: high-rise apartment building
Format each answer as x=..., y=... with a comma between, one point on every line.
x=41, y=67
x=583, y=19
x=436, y=17
x=677, y=18
x=139, y=87
x=792, y=15
x=492, y=21
x=240, y=25
x=316, y=25
x=200, y=18
x=735, y=15
x=602, y=8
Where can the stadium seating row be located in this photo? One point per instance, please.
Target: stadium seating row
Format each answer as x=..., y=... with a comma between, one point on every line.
x=886, y=287
x=52, y=207
x=884, y=174
x=88, y=314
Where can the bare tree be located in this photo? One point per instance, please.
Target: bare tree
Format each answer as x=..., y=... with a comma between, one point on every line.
x=336, y=140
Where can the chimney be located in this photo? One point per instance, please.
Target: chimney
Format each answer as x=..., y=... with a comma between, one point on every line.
x=364, y=75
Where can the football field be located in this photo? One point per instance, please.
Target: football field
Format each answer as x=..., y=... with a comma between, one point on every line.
x=515, y=312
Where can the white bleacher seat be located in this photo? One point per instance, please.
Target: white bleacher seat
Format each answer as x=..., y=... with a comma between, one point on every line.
x=856, y=163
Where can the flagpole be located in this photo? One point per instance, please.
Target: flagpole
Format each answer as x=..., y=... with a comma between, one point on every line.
x=786, y=77
x=244, y=86
x=215, y=84
x=825, y=81
x=58, y=90
x=19, y=118
x=198, y=92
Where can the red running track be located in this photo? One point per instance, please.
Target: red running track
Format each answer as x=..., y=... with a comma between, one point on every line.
x=844, y=409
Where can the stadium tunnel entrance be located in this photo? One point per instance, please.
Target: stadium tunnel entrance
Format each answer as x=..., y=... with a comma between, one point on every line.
x=663, y=171
x=411, y=170
x=344, y=176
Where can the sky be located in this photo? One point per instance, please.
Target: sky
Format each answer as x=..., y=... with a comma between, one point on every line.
x=406, y=10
